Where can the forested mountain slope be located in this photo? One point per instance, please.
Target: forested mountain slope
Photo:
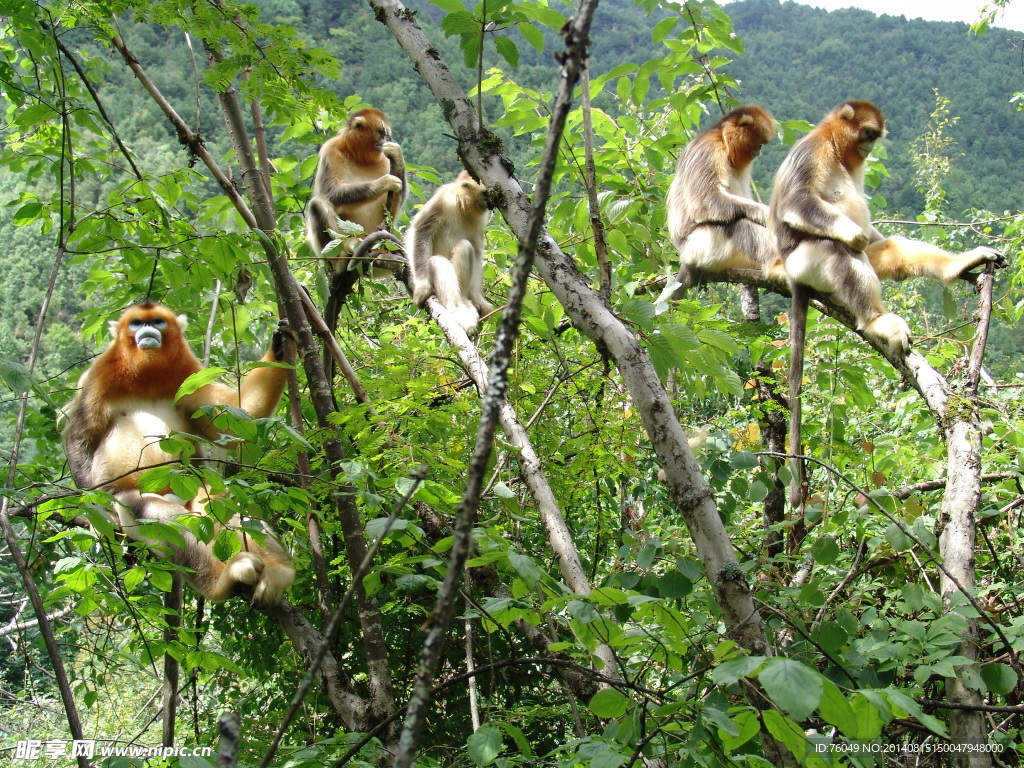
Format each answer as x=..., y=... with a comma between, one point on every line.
x=800, y=61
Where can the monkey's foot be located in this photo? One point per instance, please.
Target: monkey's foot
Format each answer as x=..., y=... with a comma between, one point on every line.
x=277, y=577
x=977, y=257
x=245, y=568
x=467, y=317
x=892, y=331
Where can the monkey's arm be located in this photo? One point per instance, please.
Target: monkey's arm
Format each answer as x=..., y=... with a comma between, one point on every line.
x=79, y=443
x=710, y=192
x=361, y=191
x=897, y=258
x=393, y=152
x=726, y=206
x=810, y=213
x=261, y=388
x=420, y=236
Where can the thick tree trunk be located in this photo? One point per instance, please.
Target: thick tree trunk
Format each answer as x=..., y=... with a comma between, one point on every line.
x=593, y=316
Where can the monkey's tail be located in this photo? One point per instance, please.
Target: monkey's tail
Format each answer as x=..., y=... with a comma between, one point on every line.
x=797, y=339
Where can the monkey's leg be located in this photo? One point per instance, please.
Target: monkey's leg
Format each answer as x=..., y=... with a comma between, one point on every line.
x=897, y=258
x=753, y=243
x=445, y=281
x=320, y=217
x=208, y=575
x=278, y=572
x=832, y=268
x=717, y=247
x=469, y=268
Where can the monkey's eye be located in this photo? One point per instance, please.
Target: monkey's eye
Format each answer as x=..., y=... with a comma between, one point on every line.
x=159, y=323
x=134, y=325
x=869, y=134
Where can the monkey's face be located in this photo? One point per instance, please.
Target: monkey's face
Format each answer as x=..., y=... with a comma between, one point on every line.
x=471, y=192
x=855, y=126
x=745, y=131
x=148, y=326
x=370, y=126
x=148, y=332
x=866, y=140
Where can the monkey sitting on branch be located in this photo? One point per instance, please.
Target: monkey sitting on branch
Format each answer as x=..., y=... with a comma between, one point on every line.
x=445, y=249
x=124, y=408
x=713, y=220
x=820, y=218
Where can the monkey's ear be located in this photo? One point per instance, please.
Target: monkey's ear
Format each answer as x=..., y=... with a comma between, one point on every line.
x=182, y=323
x=846, y=112
x=112, y=327
x=746, y=120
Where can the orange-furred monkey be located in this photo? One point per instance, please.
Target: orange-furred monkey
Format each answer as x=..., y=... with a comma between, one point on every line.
x=125, y=406
x=360, y=177
x=713, y=221
x=822, y=227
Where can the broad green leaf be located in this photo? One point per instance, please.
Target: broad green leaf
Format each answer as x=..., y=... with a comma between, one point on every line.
x=792, y=686
x=728, y=672
x=836, y=710
x=198, y=380
x=1000, y=678
x=608, y=703
x=484, y=746
x=525, y=567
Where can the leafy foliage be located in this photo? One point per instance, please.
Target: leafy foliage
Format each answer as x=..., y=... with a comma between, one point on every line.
x=864, y=638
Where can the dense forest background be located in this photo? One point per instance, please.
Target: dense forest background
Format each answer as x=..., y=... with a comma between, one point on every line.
x=908, y=63
x=848, y=632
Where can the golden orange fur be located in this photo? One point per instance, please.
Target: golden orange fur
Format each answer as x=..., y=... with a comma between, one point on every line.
x=360, y=177
x=125, y=406
x=713, y=220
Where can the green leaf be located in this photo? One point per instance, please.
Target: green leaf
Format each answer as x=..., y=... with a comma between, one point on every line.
x=27, y=214
x=825, y=550
x=747, y=724
x=674, y=585
x=728, y=672
x=792, y=686
x=608, y=703
x=15, y=376
x=664, y=28
x=484, y=746
x=198, y=380
x=133, y=578
x=508, y=50
x=532, y=35
x=522, y=744
x=836, y=710
x=1000, y=678
x=449, y=6
x=897, y=539
x=525, y=567
x=786, y=731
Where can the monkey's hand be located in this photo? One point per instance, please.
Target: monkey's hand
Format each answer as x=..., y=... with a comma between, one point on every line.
x=282, y=345
x=387, y=183
x=961, y=268
x=758, y=213
x=393, y=151
x=985, y=255
x=850, y=232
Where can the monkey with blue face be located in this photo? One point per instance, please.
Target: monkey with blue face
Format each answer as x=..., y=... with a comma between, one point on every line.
x=125, y=406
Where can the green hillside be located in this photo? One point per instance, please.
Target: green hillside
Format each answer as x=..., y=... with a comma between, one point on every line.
x=800, y=61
